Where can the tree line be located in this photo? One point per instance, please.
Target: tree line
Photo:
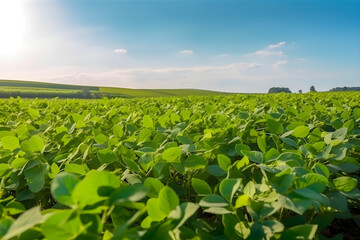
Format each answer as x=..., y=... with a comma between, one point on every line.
x=312, y=89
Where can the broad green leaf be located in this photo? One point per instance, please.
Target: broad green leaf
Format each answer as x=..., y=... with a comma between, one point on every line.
x=242, y=201
x=75, y=168
x=131, y=193
x=274, y=126
x=254, y=156
x=107, y=156
x=261, y=210
x=340, y=133
x=90, y=185
x=14, y=208
x=25, y=221
x=172, y=154
x=62, y=186
x=154, y=211
x=300, y=232
x=183, y=212
x=168, y=200
x=34, y=144
x=240, y=147
x=224, y=161
x=132, y=164
x=118, y=131
x=147, y=122
x=101, y=139
x=195, y=162
x=242, y=229
x=345, y=184
x=54, y=169
x=213, y=200
x=228, y=188
x=36, y=177
x=18, y=163
x=250, y=189
x=62, y=225
x=274, y=225
x=229, y=221
x=215, y=170
x=5, y=224
x=312, y=181
x=356, y=113
x=144, y=135
x=271, y=154
x=296, y=204
x=34, y=113
x=4, y=169
x=261, y=142
x=301, y=131
x=10, y=142
x=283, y=180
x=154, y=186
x=200, y=186
x=311, y=194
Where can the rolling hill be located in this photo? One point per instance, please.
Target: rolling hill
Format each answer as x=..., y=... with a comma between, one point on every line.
x=31, y=89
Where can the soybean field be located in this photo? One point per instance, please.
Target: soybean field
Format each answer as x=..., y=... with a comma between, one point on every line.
x=265, y=166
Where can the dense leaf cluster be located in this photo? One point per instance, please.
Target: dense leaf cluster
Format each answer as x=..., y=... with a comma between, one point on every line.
x=278, y=166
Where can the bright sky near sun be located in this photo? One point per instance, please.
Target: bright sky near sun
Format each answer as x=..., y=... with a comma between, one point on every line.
x=237, y=46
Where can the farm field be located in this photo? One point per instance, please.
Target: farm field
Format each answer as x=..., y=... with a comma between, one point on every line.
x=30, y=89
x=264, y=166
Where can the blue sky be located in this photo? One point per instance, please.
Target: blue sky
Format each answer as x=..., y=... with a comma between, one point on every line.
x=241, y=46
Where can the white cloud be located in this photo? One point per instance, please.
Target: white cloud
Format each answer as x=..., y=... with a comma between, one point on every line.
x=224, y=55
x=120, y=50
x=203, y=77
x=187, y=52
x=266, y=53
x=280, y=44
x=278, y=63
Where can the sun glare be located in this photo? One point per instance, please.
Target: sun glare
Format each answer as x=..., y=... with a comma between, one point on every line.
x=12, y=27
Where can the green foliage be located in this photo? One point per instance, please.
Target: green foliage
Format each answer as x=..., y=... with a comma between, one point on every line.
x=312, y=89
x=279, y=90
x=272, y=166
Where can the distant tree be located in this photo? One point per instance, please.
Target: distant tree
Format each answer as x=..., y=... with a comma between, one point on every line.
x=279, y=90
x=341, y=89
x=312, y=89
x=86, y=93
x=300, y=91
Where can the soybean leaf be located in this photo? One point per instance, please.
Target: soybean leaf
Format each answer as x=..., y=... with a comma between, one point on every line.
x=200, y=186
x=107, y=156
x=10, y=142
x=345, y=184
x=63, y=186
x=172, y=154
x=90, y=184
x=168, y=200
x=228, y=188
x=195, y=162
x=301, y=131
x=25, y=221
x=224, y=161
x=213, y=200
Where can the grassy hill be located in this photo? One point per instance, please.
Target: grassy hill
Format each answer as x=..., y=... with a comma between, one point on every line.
x=30, y=89
x=158, y=92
